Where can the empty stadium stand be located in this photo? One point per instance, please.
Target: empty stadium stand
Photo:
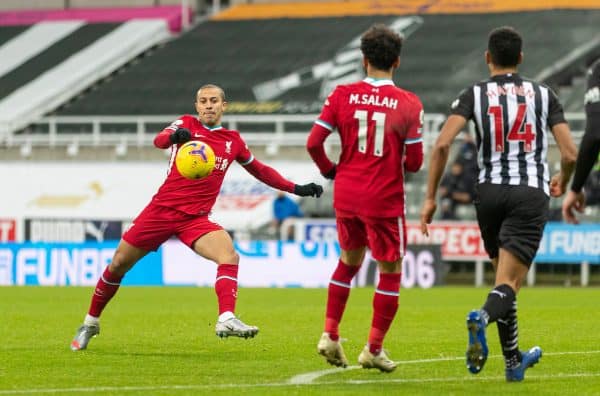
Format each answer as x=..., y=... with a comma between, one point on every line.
x=438, y=65
x=51, y=54
x=77, y=71
x=281, y=68
x=234, y=54
x=8, y=32
x=33, y=41
x=62, y=52
x=441, y=56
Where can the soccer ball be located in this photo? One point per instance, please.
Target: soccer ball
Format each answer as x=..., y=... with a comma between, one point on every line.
x=195, y=160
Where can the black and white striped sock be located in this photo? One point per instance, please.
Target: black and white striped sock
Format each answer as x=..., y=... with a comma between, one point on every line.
x=509, y=337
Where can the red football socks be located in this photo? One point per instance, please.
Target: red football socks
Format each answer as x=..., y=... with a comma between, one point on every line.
x=107, y=286
x=337, y=296
x=226, y=287
x=385, y=305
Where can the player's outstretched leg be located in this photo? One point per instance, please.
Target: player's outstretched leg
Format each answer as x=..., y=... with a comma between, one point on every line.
x=528, y=359
x=236, y=328
x=84, y=334
x=106, y=288
x=332, y=351
x=477, y=350
x=380, y=361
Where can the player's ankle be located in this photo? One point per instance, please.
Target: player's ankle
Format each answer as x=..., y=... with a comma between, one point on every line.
x=91, y=320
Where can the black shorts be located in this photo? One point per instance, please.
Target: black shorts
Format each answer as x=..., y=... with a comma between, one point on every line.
x=511, y=218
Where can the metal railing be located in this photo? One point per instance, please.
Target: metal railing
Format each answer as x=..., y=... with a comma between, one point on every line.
x=140, y=130
x=56, y=131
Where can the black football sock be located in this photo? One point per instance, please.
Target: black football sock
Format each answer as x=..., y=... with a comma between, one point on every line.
x=509, y=337
x=499, y=302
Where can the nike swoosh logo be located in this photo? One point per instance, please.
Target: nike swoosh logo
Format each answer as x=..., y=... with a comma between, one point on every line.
x=198, y=135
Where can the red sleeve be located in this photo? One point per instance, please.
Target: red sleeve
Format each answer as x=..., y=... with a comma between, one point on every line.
x=268, y=175
x=415, y=120
x=315, y=148
x=322, y=127
x=161, y=140
x=244, y=156
x=413, y=154
x=413, y=157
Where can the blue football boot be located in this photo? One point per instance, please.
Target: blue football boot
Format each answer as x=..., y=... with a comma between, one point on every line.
x=477, y=350
x=528, y=359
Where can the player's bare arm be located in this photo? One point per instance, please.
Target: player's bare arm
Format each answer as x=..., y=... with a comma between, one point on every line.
x=439, y=157
x=588, y=151
x=573, y=201
x=568, y=156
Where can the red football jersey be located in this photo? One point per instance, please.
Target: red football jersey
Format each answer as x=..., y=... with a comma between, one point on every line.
x=198, y=196
x=375, y=120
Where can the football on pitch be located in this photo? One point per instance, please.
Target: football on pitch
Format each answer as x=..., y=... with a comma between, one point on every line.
x=195, y=160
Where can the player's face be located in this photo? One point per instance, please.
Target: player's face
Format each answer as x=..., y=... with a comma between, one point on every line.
x=210, y=106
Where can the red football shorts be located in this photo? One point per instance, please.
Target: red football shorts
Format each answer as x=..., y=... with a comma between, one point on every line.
x=155, y=224
x=385, y=236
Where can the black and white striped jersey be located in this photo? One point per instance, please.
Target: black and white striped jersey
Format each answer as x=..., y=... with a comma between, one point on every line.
x=512, y=117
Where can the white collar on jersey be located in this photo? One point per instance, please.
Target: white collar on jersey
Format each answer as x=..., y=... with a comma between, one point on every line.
x=378, y=82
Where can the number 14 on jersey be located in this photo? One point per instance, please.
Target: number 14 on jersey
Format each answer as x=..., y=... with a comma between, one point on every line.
x=520, y=131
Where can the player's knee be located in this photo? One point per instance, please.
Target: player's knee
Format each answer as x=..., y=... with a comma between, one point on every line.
x=390, y=267
x=229, y=257
x=121, y=263
x=353, y=257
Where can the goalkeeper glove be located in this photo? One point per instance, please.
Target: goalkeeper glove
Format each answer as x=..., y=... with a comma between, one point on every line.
x=308, y=190
x=181, y=135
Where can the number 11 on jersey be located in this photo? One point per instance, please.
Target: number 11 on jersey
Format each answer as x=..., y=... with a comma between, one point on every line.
x=363, y=116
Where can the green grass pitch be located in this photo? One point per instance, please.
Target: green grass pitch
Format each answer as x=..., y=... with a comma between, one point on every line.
x=161, y=341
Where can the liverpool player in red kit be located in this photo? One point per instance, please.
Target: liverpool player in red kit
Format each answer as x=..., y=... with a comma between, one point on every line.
x=380, y=131
x=181, y=208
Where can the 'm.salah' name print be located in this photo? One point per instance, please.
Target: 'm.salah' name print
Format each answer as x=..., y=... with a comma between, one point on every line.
x=373, y=100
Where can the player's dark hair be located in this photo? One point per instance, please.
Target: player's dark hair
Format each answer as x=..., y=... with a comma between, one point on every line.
x=381, y=46
x=504, y=46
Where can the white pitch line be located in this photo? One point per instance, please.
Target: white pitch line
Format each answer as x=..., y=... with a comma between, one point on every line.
x=123, y=389
x=457, y=379
x=308, y=378
x=308, y=383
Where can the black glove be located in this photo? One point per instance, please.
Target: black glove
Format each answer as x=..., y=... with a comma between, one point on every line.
x=331, y=174
x=181, y=135
x=308, y=190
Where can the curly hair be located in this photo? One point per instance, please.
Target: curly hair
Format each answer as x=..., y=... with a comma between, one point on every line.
x=381, y=46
